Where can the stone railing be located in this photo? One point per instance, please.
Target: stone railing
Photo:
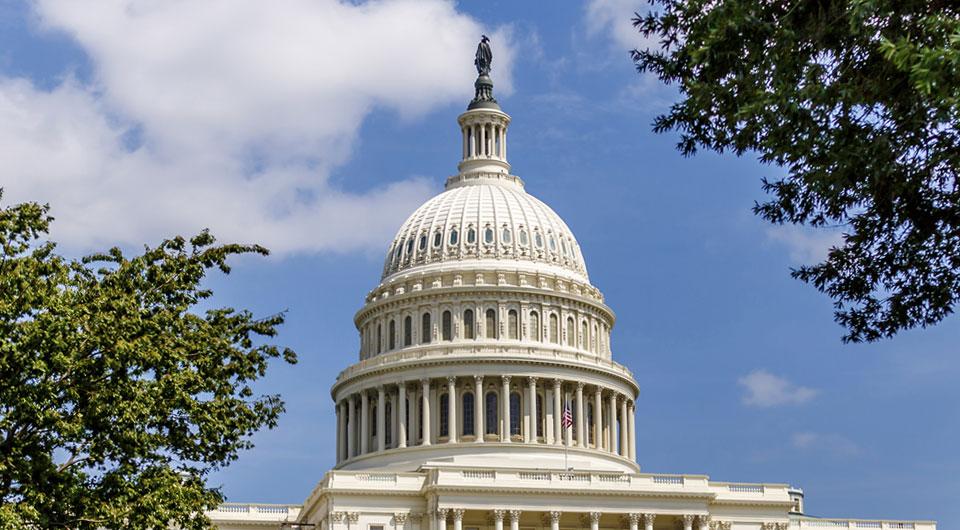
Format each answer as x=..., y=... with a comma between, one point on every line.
x=255, y=512
x=867, y=523
x=475, y=351
x=598, y=480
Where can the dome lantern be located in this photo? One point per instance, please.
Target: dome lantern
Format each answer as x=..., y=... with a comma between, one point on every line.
x=484, y=126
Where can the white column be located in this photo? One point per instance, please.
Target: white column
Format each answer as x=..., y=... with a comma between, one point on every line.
x=425, y=419
x=554, y=520
x=648, y=519
x=505, y=398
x=597, y=419
x=442, y=518
x=531, y=435
x=557, y=413
x=402, y=421
x=503, y=142
x=631, y=425
x=514, y=519
x=594, y=520
x=498, y=519
x=340, y=421
x=623, y=427
x=483, y=140
x=581, y=435
x=465, y=136
x=364, y=422
x=634, y=519
x=478, y=411
x=703, y=522
x=351, y=428
x=612, y=423
x=474, y=144
x=451, y=409
x=687, y=521
x=381, y=418
x=457, y=519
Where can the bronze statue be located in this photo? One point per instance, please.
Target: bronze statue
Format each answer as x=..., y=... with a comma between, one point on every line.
x=484, y=56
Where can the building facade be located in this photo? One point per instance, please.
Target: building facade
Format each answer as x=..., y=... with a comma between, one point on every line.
x=486, y=395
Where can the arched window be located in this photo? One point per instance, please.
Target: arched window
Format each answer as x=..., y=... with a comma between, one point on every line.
x=583, y=335
x=379, y=338
x=523, y=237
x=571, y=332
x=505, y=236
x=388, y=420
x=515, y=414
x=392, y=334
x=512, y=323
x=554, y=328
x=538, y=239
x=454, y=236
x=437, y=239
x=535, y=326
x=491, y=324
x=540, y=417
x=447, y=325
x=467, y=414
x=471, y=236
x=491, y=413
x=488, y=236
x=408, y=330
x=423, y=242
x=425, y=330
x=553, y=243
x=444, y=419
x=468, y=324
x=409, y=247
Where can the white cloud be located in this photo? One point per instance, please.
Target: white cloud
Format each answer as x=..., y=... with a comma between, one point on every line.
x=614, y=18
x=231, y=114
x=764, y=389
x=806, y=245
x=830, y=443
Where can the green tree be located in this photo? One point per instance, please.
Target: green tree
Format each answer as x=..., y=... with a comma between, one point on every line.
x=117, y=396
x=857, y=102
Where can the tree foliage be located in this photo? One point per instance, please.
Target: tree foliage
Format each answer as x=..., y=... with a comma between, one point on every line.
x=117, y=396
x=857, y=101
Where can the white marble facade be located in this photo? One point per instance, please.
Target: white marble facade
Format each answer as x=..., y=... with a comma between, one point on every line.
x=483, y=330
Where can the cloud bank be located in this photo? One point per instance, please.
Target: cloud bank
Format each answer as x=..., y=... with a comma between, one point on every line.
x=764, y=389
x=231, y=114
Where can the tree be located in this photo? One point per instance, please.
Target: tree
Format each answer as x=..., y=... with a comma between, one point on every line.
x=858, y=103
x=117, y=396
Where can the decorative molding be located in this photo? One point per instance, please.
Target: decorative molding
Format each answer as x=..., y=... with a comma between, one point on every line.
x=457, y=514
x=400, y=518
x=498, y=515
x=648, y=519
x=442, y=514
x=515, y=516
x=337, y=517
x=353, y=517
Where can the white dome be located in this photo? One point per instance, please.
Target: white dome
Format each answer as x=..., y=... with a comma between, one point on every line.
x=486, y=220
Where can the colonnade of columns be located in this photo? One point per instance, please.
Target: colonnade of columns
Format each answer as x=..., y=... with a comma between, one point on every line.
x=441, y=518
x=484, y=140
x=478, y=409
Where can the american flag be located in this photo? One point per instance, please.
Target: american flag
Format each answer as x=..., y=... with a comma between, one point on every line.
x=567, y=419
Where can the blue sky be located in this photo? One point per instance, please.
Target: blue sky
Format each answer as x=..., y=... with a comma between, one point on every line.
x=315, y=128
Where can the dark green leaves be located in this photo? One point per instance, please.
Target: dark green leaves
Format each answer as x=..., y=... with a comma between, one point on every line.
x=858, y=101
x=117, y=397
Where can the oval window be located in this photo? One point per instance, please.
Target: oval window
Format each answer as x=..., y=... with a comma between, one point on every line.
x=399, y=248
x=538, y=239
x=488, y=235
x=471, y=235
x=523, y=237
x=506, y=235
x=409, y=247
x=553, y=244
x=423, y=242
x=563, y=246
x=454, y=236
x=437, y=239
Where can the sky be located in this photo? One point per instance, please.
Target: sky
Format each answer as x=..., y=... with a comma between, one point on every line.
x=315, y=127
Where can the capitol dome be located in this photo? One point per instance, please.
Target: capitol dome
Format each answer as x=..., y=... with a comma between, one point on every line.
x=484, y=338
x=485, y=221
